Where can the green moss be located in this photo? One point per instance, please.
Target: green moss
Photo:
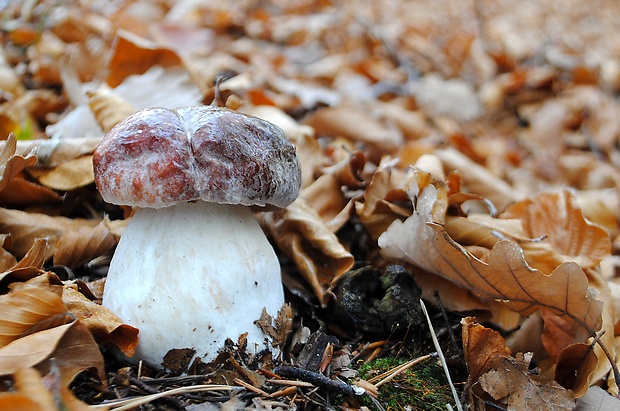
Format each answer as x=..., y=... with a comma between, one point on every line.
x=422, y=387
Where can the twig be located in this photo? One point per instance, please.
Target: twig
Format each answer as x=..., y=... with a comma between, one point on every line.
x=318, y=380
x=459, y=406
x=150, y=390
x=455, y=345
x=126, y=404
x=390, y=375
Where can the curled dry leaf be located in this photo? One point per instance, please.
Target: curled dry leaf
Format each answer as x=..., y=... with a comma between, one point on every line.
x=12, y=164
x=109, y=108
x=30, y=350
x=300, y=234
x=506, y=276
x=14, y=188
x=52, y=152
x=325, y=197
x=384, y=200
x=104, y=325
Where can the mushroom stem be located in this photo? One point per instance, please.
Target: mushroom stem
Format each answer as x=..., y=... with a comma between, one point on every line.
x=191, y=276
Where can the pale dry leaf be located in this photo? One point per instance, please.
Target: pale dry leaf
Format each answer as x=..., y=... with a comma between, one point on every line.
x=506, y=277
x=301, y=235
x=7, y=260
x=327, y=199
x=52, y=152
x=76, y=352
x=482, y=230
x=69, y=175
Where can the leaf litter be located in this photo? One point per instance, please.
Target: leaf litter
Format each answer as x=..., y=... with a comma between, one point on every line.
x=475, y=145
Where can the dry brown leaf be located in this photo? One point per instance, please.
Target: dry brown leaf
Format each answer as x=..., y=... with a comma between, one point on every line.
x=506, y=277
x=30, y=350
x=12, y=164
x=82, y=245
x=496, y=376
x=76, y=352
x=327, y=199
x=565, y=234
x=25, y=228
x=29, y=310
x=104, y=325
x=356, y=125
x=301, y=234
x=479, y=180
x=52, y=152
x=20, y=192
x=7, y=260
x=482, y=230
x=135, y=55
x=383, y=200
x=514, y=387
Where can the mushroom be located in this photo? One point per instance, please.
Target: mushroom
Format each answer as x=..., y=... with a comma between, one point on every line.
x=193, y=266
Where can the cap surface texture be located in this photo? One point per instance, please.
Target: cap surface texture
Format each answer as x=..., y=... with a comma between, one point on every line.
x=159, y=157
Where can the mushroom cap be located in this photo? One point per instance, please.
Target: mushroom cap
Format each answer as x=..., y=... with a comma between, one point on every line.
x=159, y=157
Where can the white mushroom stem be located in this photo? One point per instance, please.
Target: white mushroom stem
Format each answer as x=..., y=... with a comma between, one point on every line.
x=192, y=275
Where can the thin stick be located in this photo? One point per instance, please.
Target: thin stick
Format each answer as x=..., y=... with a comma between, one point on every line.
x=134, y=402
x=459, y=406
x=402, y=368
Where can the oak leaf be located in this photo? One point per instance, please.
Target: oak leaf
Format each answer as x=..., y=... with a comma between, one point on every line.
x=506, y=276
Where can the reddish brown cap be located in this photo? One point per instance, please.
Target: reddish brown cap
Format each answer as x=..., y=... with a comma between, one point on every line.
x=159, y=157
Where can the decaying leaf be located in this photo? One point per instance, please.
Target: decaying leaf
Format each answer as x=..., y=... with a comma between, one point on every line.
x=494, y=375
